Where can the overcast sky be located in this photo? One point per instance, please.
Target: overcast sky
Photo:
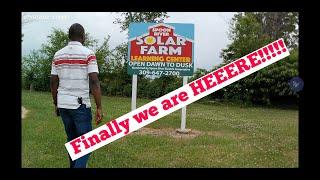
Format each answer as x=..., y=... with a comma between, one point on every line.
x=211, y=30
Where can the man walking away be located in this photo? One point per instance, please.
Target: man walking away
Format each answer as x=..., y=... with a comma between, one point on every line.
x=74, y=72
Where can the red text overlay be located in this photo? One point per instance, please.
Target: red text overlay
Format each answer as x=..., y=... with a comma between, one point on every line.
x=177, y=99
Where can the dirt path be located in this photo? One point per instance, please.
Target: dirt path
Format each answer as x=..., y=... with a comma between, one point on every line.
x=194, y=133
x=24, y=112
x=167, y=132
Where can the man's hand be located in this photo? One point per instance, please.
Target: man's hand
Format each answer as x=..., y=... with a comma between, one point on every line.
x=56, y=110
x=99, y=116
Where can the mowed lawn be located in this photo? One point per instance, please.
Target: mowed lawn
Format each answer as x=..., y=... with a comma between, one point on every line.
x=231, y=136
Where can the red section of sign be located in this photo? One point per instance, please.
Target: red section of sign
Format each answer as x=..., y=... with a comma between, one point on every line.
x=186, y=51
x=163, y=42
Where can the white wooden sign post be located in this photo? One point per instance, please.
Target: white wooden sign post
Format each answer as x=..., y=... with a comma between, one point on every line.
x=134, y=92
x=184, y=112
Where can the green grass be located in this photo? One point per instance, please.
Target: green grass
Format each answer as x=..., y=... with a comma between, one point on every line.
x=242, y=137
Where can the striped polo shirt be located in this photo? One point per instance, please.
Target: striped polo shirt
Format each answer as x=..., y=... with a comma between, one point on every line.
x=72, y=64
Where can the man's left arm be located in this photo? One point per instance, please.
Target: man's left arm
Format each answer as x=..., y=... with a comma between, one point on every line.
x=54, y=84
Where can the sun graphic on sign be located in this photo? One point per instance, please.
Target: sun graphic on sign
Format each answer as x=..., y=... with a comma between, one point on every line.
x=150, y=40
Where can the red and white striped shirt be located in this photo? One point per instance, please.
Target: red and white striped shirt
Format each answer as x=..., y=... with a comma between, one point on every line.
x=72, y=64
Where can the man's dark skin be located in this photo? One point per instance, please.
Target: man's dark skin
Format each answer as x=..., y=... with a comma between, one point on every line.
x=93, y=82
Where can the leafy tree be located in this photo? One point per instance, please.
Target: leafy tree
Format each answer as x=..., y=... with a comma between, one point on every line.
x=102, y=53
x=198, y=73
x=280, y=24
x=129, y=17
x=32, y=74
x=116, y=77
x=250, y=31
x=59, y=39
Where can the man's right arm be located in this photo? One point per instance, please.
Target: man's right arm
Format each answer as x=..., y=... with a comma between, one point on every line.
x=96, y=92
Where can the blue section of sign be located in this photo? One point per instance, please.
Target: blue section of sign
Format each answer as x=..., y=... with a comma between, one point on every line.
x=186, y=30
x=137, y=29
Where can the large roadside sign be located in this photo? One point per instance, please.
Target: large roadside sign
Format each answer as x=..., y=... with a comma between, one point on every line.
x=161, y=49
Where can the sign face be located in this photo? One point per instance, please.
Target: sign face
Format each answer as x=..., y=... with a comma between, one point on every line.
x=161, y=49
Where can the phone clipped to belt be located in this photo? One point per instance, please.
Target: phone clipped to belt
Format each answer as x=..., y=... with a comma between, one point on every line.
x=80, y=100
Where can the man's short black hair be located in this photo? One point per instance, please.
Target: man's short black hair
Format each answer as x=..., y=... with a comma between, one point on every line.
x=76, y=31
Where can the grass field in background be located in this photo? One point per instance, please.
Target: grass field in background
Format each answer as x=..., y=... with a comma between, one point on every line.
x=232, y=136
